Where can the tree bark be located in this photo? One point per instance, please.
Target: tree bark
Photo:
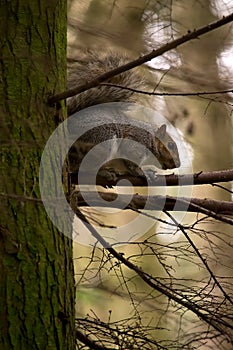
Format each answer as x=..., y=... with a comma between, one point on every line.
x=36, y=281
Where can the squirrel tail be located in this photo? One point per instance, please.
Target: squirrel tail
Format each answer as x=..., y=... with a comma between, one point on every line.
x=90, y=65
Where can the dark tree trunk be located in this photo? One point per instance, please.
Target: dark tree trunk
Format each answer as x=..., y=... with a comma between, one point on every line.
x=36, y=269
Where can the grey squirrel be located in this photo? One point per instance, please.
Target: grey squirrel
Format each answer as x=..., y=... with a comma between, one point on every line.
x=90, y=65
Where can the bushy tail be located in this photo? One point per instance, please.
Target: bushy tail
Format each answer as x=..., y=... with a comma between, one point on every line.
x=90, y=65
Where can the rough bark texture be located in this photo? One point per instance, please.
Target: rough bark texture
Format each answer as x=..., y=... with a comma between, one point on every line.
x=36, y=269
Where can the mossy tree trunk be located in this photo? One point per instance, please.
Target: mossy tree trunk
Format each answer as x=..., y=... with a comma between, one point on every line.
x=36, y=269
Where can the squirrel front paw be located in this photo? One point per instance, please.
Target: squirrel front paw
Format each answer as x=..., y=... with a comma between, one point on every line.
x=110, y=174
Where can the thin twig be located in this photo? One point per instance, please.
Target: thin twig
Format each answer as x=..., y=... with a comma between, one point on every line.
x=168, y=93
x=204, y=261
x=153, y=282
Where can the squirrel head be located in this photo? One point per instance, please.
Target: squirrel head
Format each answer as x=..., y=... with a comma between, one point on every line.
x=167, y=151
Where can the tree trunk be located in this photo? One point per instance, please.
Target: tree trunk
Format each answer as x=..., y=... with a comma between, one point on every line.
x=36, y=280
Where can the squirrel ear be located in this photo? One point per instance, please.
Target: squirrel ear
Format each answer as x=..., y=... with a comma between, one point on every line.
x=161, y=132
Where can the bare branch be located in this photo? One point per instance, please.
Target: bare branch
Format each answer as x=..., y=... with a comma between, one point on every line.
x=200, y=178
x=213, y=208
x=145, y=58
x=155, y=283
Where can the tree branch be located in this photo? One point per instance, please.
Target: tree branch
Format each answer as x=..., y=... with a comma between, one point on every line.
x=209, y=207
x=88, y=342
x=145, y=58
x=201, y=178
x=155, y=283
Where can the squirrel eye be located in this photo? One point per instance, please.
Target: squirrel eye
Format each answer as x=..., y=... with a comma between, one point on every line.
x=171, y=146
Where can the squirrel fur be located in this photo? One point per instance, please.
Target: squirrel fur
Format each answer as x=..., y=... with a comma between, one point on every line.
x=89, y=66
x=156, y=140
